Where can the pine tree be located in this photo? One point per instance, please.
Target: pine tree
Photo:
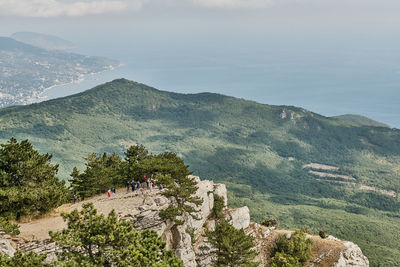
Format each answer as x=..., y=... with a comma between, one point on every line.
x=102, y=173
x=134, y=156
x=173, y=174
x=23, y=260
x=96, y=240
x=28, y=182
x=233, y=247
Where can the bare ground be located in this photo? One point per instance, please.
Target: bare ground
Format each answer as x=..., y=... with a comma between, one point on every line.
x=123, y=203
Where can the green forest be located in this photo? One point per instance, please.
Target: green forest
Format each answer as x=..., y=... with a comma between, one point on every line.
x=258, y=150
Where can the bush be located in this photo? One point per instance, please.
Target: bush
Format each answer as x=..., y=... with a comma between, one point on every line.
x=281, y=259
x=323, y=234
x=297, y=246
x=270, y=222
x=219, y=204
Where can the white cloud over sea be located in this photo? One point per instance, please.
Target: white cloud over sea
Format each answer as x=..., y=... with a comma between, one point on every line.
x=74, y=8
x=233, y=3
x=54, y=8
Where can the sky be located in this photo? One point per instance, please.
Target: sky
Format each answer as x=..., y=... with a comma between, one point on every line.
x=361, y=15
x=311, y=46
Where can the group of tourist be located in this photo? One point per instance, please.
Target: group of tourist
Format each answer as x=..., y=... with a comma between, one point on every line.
x=139, y=186
x=146, y=183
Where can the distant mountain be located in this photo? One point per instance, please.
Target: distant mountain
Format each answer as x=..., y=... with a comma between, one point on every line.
x=302, y=168
x=44, y=41
x=27, y=71
x=360, y=120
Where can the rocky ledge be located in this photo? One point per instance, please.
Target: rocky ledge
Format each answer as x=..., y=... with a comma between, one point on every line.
x=187, y=240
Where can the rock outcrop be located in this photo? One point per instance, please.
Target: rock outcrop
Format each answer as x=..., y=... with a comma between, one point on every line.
x=187, y=240
x=352, y=256
x=6, y=248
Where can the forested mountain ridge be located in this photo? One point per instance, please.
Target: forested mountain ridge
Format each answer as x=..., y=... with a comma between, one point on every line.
x=45, y=41
x=360, y=120
x=264, y=153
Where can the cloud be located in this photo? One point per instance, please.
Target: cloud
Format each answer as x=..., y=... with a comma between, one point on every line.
x=233, y=3
x=53, y=8
x=75, y=8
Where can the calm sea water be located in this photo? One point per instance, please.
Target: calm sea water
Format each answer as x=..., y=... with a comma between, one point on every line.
x=330, y=78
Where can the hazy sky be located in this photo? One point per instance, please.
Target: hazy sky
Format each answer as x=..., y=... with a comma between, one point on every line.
x=253, y=15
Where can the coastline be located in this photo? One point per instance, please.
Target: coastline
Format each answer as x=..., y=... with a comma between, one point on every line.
x=81, y=78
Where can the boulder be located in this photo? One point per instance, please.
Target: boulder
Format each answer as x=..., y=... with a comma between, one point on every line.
x=352, y=256
x=239, y=218
x=220, y=190
x=6, y=248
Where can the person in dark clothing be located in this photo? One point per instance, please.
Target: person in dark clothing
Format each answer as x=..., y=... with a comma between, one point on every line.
x=133, y=186
x=128, y=184
x=75, y=198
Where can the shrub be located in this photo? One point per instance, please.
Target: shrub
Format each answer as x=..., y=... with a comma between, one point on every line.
x=323, y=234
x=281, y=259
x=219, y=204
x=270, y=222
x=297, y=246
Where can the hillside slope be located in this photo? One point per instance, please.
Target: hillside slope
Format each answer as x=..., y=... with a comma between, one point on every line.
x=267, y=155
x=360, y=120
x=48, y=42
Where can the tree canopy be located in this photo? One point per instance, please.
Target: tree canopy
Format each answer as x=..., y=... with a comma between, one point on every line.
x=23, y=260
x=28, y=182
x=97, y=240
x=108, y=171
x=233, y=247
x=102, y=173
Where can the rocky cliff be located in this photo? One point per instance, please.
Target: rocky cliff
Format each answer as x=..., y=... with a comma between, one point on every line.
x=187, y=240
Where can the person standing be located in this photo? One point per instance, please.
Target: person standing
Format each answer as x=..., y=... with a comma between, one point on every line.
x=127, y=186
x=109, y=193
x=133, y=185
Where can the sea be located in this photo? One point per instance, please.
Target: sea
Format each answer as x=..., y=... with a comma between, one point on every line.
x=330, y=76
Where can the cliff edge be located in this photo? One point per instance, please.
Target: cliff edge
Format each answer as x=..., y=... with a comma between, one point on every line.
x=187, y=240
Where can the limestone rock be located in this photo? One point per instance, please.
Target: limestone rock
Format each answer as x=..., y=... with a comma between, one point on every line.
x=205, y=192
x=220, y=190
x=352, y=256
x=183, y=246
x=239, y=218
x=6, y=248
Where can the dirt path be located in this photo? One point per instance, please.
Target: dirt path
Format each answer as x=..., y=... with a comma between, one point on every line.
x=122, y=202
